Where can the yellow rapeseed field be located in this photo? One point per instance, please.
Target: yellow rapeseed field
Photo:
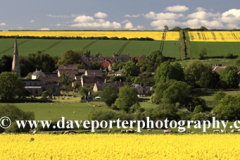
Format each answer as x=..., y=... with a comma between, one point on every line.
x=215, y=36
x=156, y=35
x=120, y=146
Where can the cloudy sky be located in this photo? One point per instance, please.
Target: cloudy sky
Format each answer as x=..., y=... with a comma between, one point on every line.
x=118, y=15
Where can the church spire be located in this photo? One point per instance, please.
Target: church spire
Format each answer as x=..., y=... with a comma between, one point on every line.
x=15, y=62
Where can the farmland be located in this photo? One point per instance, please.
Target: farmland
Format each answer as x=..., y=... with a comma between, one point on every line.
x=156, y=35
x=215, y=36
x=115, y=146
x=215, y=48
x=106, y=47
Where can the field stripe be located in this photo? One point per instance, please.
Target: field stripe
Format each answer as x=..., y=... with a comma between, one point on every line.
x=123, y=47
x=11, y=48
x=53, y=45
x=89, y=44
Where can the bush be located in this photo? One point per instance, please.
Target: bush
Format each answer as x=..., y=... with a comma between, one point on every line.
x=198, y=109
x=14, y=114
x=102, y=115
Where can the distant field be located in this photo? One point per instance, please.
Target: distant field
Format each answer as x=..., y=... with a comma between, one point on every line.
x=214, y=36
x=156, y=35
x=106, y=47
x=215, y=48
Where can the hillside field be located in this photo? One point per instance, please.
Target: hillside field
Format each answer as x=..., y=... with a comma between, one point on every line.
x=106, y=47
x=215, y=48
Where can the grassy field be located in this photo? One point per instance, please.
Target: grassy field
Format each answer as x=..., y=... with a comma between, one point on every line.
x=215, y=48
x=47, y=111
x=211, y=61
x=172, y=49
x=106, y=47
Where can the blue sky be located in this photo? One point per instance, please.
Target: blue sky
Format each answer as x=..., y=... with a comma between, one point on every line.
x=118, y=15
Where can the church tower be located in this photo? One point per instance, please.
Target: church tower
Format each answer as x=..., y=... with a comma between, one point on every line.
x=15, y=62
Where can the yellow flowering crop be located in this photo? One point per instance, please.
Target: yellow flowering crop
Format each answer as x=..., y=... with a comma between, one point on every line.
x=120, y=146
x=156, y=35
x=215, y=36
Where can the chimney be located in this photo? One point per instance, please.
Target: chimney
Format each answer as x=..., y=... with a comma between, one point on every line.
x=41, y=70
x=94, y=74
x=105, y=80
x=36, y=69
x=120, y=80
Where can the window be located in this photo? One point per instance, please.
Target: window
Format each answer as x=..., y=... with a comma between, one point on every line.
x=36, y=92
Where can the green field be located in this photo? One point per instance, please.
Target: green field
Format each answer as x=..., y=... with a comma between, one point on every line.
x=172, y=49
x=211, y=61
x=215, y=48
x=106, y=47
x=48, y=111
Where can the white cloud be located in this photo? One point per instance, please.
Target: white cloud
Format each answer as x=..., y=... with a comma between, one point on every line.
x=232, y=26
x=140, y=27
x=20, y=27
x=203, y=15
x=231, y=16
x=159, y=24
x=32, y=21
x=200, y=9
x=44, y=29
x=2, y=24
x=88, y=21
x=100, y=15
x=197, y=23
x=100, y=20
x=125, y=21
x=58, y=24
x=58, y=16
x=136, y=15
x=162, y=16
x=177, y=8
x=83, y=19
x=62, y=16
x=128, y=25
x=133, y=16
x=96, y=24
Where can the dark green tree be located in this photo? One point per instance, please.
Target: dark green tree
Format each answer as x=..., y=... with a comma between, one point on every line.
x=109, y=95
x=127, y=97
x=230, y=76
x=167, y=71
x=70, y=57
x=199, y=74
x=11, y=85
x=228, y=108
x=130, y=69
x=65, y=79
x=44, y=95
x=202, y=53
x=96, y=65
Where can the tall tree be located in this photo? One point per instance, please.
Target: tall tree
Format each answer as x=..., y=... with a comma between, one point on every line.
x=127, y=97
x=70, y=57
x=11, y=85
x=109, y=95
x=199, y=74
x=155, y=59
x=230, y=76
x=167, y=71
x=130, y=69
x=165, y=28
